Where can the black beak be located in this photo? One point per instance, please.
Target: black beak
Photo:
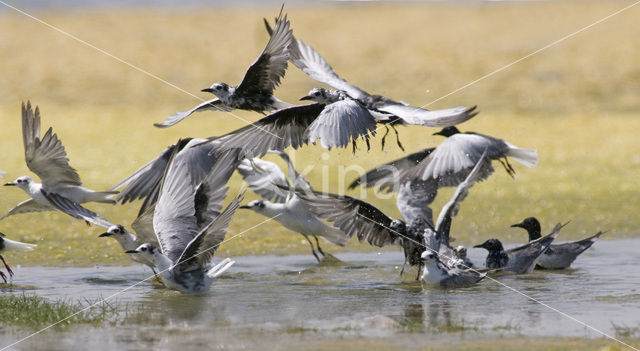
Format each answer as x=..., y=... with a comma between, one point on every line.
x=245, y=207
x=481, y=246
x=207, y=90
x=104, y=235
x=520, y=225
x=306, y=98
x=131, y=251
x=437, y=133
x=10, y=184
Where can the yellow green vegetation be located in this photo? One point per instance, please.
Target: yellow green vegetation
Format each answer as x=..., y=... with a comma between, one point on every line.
x=576, y=103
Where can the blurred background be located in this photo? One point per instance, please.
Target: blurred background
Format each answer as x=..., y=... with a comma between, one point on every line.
x=576, y=102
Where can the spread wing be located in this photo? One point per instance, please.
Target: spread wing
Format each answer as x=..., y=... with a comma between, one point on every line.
x=46, y=157
x=299, y=181
x=414, y=199
x=276, y=131
x=386, y=177
x=265, y=73
x=419, y=116
x=451, y=208
x=452, y=161
x=340, y=123
x=143, y=227
x=310, y=62
x=213, y=105
x=27, y=206
x=352, y=216
x=263, y=177
x=75, y=210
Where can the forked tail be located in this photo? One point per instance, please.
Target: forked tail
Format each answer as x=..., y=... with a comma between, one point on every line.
x=220, y=268
x=527, y=157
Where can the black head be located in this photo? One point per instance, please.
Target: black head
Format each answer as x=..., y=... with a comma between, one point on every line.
x=399, y=227
x=447, y=131
x=254, y=205
x=531, y=225
x=217, y=88
x=491, y=245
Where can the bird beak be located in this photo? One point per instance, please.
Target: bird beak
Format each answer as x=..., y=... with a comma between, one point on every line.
x=207, y=90
x=11, y=184
x=480, y=246
x=517, y=225
x=306, y=98
x=245, y=207
x=437, y=133
x=131, y=251
x=104, y=235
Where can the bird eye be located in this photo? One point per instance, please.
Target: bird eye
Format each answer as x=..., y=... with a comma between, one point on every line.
x=143, y=249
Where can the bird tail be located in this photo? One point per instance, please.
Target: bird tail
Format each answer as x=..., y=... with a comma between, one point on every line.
x=527, y=157
x=220, y=268
x=11, y=245
x=103, y=196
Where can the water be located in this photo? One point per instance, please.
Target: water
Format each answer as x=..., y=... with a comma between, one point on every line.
x=286, y=302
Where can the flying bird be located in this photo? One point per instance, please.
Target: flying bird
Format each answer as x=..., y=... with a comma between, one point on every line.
x=285, y=207
x=47, y=158
x=557, y=256
x=255, y=92
x=11, y=245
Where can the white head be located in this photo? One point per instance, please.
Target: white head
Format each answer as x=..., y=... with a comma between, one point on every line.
x=147, y=251
x=22, y=182
x=322, y=96
x=119, y=233
x=220, y=90
x=255, y=205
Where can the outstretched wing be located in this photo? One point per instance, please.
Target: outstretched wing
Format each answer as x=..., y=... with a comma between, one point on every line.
x=27, y=206
x=419, y=116
x=46, y=157
x=414, y=200
x=263, y=177
x=75, y=210
x=265, y=73
x=310, y=62
x=340, y=123
x=213, y=105
x=352, y=216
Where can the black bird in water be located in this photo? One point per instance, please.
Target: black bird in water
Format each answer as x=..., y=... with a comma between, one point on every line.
x=557, y=256
x=255, y=92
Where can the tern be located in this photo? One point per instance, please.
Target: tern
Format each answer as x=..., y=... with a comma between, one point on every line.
x=255, y=92
x=437, y=272
x=11, y=245
x=557, y=256
x=47, y=158
x=189, y=227
x=286, y=208
x=521, y=259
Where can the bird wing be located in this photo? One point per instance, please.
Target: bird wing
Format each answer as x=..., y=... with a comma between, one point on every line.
x=386, y=177
x=451, y=208
x=263, y=177
x=452, y=160
x=143, y=226
x=203, y=247
x=419, y=116
x=276, y=131
x=299, y=181
x=310, y=62
x=414, y=199
x=46, y=157
x=352, y=216
x=575, y=247
x=340, y=123
x=522, y=258
x=27, y=206
x=214, y=105
x=265, y=73
x=75, y=210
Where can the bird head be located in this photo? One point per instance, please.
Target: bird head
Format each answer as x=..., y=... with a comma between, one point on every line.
x=428, y=255
x=491, y=245
x=218, y=89
x=447, y=131
x=145, y=250
x=255, y=205
x=115, y=231
x=318, y=95
x=531, y=225
x=22, y=182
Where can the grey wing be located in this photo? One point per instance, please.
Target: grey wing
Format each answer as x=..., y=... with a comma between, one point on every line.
x=352, y=216
x=265, y=73
x=27, y=206
x=575, y=247
x=263, y=177
x=46, y=157
x=310, y=62
x=75, y=210
x=213, y=105
x=460, y=278
x=340, y=123
x=452, y=161
x=387, y=176
x=143, y=227
x=451, y=208
x=277, y=131
x=414, y=200
x=299, y=181
x=435, y=118
x=524, y=256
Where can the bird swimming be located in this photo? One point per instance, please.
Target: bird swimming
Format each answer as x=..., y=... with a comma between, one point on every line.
x=557, y=256
x=437, y=272
x=255, y=92
x=11, y=245
x=287, y=209
x=47, y=158
x=521, y=259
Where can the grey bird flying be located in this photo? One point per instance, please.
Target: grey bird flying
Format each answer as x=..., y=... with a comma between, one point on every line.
x=11, y=245
x=255, y=92
x=47, y=158
x=557, y=256
x=521, y=259
x=285, y=207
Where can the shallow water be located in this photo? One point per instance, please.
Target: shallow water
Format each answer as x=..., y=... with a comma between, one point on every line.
x=283, y=301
